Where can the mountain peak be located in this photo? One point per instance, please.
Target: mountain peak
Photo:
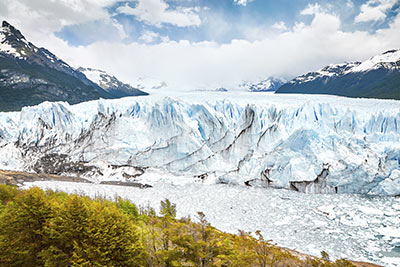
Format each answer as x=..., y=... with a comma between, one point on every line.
x=11, y=31
x=110, y=83
x=270, y=84
x=5, y=24
x=390, y=51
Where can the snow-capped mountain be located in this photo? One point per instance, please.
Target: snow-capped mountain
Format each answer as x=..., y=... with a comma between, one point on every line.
x=326, y=73
x=13, y=45
x=267, y=85
x=149, y=84
x=377, y=77
x=30, y=75
x=305, y=143
x=110, y=83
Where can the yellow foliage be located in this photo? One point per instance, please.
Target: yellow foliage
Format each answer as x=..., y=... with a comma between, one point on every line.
x=56, y=229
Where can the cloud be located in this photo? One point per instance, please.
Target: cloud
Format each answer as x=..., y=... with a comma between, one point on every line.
x=349, y=4
x=158, y=12
x=242, y=2
x=374, y=10
x=311, y=9
x=189, y=65
x=281, y=26
x=40, y=18
x=149, y=37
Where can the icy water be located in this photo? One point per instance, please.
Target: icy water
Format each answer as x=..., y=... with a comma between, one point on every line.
x=346, y=226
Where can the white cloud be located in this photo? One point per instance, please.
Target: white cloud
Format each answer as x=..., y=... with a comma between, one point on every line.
x=157, y=12
x=350, y=4
x=374, y=10
x=149, y=37
x=242, y=2
x=303, y=48
x=311, y=9
x=39, y=18
x=184, y=64
x=281, y=26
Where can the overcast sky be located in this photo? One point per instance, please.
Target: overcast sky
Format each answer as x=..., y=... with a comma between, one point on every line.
x=207, y=43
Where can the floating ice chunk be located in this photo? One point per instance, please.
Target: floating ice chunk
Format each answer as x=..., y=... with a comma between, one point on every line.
x=389, y=231
x=370, y=210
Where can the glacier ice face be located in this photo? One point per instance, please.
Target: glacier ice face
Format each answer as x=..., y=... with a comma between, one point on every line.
x=320, y=144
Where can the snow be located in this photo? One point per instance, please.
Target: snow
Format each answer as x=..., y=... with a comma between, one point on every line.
x=5, y=46
x=150, y=84
x=388, y=60
x=340, y=224
x=326, y=72
x=376, y=61
x=93, y=75
x=270, y=84
x=225, y=137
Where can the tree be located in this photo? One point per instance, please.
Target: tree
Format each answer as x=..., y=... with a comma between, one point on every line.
x=128, y=208
x=7, y=193
x=21, y=229
x=167, y=209
x=87, y=232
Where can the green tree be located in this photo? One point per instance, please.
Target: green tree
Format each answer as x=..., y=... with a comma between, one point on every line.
x=168, y=209
x=7, y=193
x=87, y=232
x=128, y=208
x=21, y=229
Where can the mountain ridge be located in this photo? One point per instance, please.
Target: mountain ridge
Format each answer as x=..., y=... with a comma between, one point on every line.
x=377, y=77
x=110, y=83
x=31, y=75
x=270, y=84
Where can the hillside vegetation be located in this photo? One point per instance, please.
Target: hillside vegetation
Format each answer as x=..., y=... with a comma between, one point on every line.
x=46, y=228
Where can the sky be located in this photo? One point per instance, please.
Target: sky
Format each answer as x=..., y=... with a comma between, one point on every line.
x=203, y=44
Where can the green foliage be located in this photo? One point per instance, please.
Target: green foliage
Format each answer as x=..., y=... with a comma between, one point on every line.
x=56, y=229
x=39, y=229
x=7, y=193
x=168, y=209
x=128, y=208
x=21, y=228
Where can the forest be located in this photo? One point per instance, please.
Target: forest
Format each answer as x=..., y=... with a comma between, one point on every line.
x=47, y=228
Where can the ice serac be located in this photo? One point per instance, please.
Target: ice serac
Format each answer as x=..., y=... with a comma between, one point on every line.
x=318, y=145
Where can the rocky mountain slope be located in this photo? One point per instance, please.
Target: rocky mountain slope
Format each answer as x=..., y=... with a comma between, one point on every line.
x=30, y=75
x=110, y=83
x=377, y=77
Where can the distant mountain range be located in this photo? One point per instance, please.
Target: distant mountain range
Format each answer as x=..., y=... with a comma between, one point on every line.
x=30, y=75
x=268, y=85
x=377, y=77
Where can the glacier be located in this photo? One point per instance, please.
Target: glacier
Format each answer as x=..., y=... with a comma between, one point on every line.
x=312, y=144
